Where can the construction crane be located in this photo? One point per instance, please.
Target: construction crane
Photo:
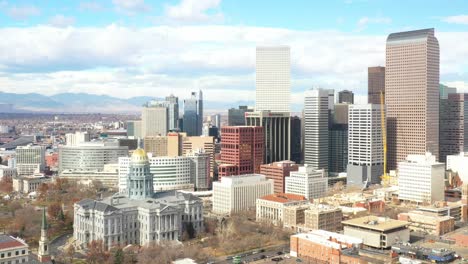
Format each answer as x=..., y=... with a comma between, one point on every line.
x=385, y=178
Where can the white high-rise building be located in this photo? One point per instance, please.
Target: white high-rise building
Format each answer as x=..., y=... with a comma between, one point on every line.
x=154, y=121
x=316, y=116
x=365, y=145
x=421, y=179
x=73, y=139
x=30, y=159
x=240, y=192
x=273, y=79
x=308, y=182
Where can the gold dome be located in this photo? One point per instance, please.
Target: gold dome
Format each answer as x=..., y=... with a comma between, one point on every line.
x=139, y=156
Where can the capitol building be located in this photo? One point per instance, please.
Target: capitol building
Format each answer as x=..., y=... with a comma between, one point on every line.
x=139, y=216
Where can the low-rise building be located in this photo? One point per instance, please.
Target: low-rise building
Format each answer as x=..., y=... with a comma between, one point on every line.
x=321, y=246
x=308, y=182
x=239, y=192
x=109, y=176
x=446, y=209
x=323, y=217
x=312, y=217
x=271, y=207
x=428, y=222
x=28, y=184
x=7, y=172
x=377, y=232
x=13, y=250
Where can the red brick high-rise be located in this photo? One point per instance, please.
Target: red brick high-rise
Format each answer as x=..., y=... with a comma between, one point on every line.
x=242, y=150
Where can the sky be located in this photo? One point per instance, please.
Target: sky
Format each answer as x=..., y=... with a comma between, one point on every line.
x=127, y=48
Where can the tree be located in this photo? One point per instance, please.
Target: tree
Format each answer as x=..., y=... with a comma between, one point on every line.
x=42, y=191
x=119, y=256
x=70, y=252
x=6, y=185
x=96, y=253
x=53, y=210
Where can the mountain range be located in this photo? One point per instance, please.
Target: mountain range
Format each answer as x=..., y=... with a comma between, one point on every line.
x=92, y=103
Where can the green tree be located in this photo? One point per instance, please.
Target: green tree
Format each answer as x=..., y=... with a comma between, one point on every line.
x=119, y=256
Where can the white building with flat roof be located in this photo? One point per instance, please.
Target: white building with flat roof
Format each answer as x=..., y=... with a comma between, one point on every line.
x=240, y=192
x=73, y=139
x=30, y=159
x=365, y=145
x=421, y=179
x=316, y=103
x=308, y=182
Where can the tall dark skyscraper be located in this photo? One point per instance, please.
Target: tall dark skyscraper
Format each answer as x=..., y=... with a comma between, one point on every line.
x=193, y=114
x=375, y=84
x=296, y=143
x=236, y=117
x=453, y=122
x=346, y=96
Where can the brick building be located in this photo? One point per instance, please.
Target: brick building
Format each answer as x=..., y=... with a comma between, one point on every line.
x=242, y=150
x=278, y=171
x=321, y=246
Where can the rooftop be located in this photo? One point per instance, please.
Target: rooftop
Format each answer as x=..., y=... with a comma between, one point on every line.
x=329, y=239
x=376, y=223
x=7, y=241
x=410, y=35
x=283, y=197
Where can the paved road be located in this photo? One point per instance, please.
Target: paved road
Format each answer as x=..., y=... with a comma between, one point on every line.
x=255, y=255
x=56, y=246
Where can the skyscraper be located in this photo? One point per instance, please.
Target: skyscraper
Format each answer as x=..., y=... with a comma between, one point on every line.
x=365, y=145
x=412, y=94
x=273, y=92
x=316, y=128
x=200, y=112
x=375, y=84
x=242, y=150
x=296, y=142
x=154, y=120
x=346, y=96
x=173, y=110
x=453, y=124
x=236, y=117
x=273, y=79
x=193, y=114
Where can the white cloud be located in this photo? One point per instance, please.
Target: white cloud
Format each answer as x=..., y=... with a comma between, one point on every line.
x=23, y=12
x=131, y=7
x=91, y=6
x=363, y=22
x=460, y=19
x=160, y=60
x=194, y=11
x=61, y=21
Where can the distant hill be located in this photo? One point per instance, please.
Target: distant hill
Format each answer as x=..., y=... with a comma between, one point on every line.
x=92, y=103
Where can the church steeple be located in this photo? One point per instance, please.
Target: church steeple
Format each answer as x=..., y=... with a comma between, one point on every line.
x=43, y=251
x=140, y=179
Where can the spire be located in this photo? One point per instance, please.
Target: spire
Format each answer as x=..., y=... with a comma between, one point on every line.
x=44, y=219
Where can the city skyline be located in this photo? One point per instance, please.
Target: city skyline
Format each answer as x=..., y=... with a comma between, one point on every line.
x=210, y=46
